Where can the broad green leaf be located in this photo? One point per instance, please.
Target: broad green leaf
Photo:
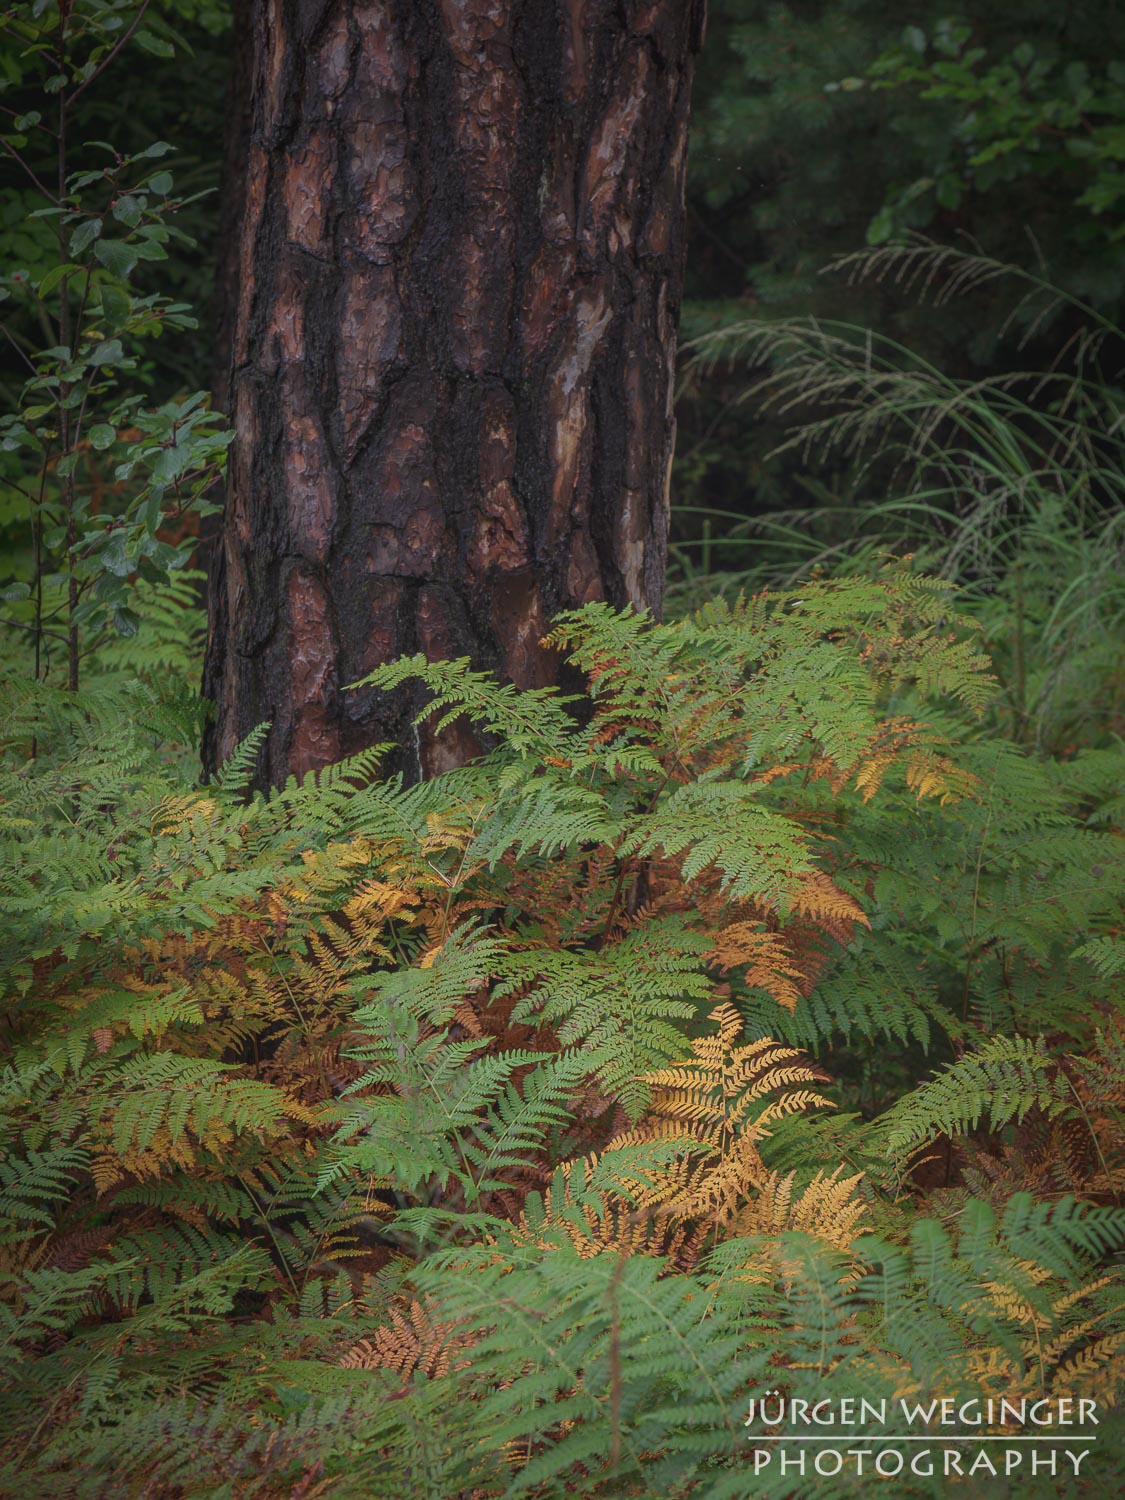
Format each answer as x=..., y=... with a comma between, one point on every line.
x=117, y=257
x=84, y=235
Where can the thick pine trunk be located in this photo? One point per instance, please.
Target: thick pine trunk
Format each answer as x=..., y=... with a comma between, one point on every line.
x=453, y=368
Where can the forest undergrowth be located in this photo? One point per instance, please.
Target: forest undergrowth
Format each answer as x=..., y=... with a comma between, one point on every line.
x=509, y=1133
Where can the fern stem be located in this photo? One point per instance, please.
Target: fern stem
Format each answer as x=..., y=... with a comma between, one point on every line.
x=278, y=1251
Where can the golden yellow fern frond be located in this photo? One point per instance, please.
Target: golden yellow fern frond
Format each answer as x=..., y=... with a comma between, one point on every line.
x=414, y=1340
x=718, y=1086
x=163, y=1152
x=452, y=828
x=991, y=1369
x=1051, y=1352
x=638, y=1224
x=828, y=1207
x=819, y=898
x=1097, y=1371
x=1077, y=1294
x=1005, y=1301
x=788, y=1104
x=782, y=1074
x=106, y=1169
x=712, y=1097
x=869, y=776
x=931, y=775
x=382, y=900
x=731, y=1030
x=769, y=965
x=721, y=1183
x=173, y=814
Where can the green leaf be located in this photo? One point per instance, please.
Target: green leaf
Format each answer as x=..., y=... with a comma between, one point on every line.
x=154, y=44
x=162, y=554
x=85, y=234
x=150, y=250
x=117, y=257
x=881, y=228
x=54, y=276
x=113, y=558
x=127, y=210
x=108, y=352
x=949, y=191
x=161, y=183
x=115, y=304
x=102, y=435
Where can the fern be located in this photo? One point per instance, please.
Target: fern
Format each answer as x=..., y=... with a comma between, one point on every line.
x=503, y=1095
x=1003, y=1079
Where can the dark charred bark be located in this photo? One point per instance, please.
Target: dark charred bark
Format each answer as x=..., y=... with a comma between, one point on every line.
x=459, y=287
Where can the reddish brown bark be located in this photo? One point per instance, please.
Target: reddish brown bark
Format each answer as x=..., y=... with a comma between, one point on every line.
x=459, y=289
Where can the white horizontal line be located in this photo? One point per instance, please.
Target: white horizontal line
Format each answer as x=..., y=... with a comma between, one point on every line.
x=872, y=1438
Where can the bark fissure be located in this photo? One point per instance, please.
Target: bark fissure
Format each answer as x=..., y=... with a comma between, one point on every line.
x=460, y=277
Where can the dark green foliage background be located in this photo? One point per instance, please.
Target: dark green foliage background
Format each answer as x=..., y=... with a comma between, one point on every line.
x=812, y=136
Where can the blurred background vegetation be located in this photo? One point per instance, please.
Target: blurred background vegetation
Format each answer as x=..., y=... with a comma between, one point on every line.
x=177, y=94
x=822, y=127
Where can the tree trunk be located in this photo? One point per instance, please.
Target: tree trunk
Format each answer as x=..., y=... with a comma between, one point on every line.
x=460, y=278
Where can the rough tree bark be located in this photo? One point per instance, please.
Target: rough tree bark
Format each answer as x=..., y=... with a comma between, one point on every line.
x=453, y=367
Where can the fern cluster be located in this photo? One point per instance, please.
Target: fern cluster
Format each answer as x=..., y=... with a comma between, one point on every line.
x=506, y=1133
